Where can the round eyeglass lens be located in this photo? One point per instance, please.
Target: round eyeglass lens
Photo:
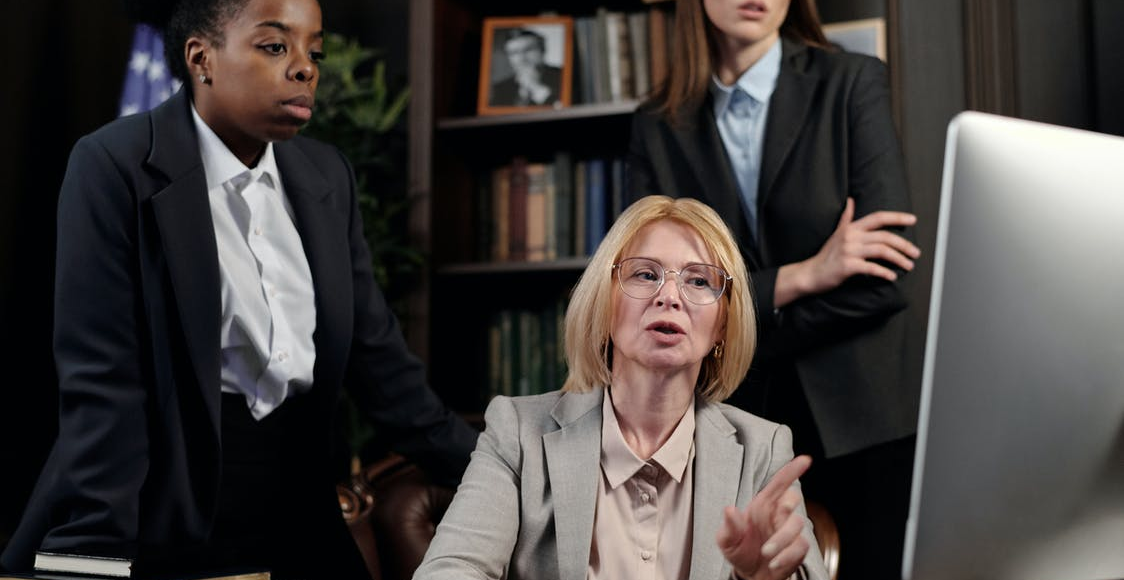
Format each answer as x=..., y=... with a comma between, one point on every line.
x=642, y=278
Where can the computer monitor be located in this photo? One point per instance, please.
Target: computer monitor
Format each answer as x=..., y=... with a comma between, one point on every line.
x=1019, y=470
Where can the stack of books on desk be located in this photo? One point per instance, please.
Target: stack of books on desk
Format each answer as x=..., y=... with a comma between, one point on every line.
x=79, y=565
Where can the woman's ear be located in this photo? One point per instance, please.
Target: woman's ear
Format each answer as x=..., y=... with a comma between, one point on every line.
x=720, y=332
x=196, y=53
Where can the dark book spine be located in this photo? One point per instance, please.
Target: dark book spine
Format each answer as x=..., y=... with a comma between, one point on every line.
x=564, y=204
x=517, y=216
x=597, y=204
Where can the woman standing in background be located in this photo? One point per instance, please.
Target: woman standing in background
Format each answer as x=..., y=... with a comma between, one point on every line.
x=793, y=143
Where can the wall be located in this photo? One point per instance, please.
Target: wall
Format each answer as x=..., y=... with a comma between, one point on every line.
x=932, y=90
x=64, y=57
x=1108, y=62
x=1054, y=66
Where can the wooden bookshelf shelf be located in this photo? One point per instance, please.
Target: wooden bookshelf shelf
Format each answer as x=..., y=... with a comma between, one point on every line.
x=574, y=112
x=510, y=207
x=565, y=265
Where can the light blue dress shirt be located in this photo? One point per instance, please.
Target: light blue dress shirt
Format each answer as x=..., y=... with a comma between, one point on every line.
x=741, y=110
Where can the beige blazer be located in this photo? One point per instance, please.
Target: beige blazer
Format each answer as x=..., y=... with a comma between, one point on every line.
x=526, y=505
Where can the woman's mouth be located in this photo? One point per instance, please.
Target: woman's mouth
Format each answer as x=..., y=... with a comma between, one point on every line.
x=299, y=108
x=666, y=334
x=753, y=10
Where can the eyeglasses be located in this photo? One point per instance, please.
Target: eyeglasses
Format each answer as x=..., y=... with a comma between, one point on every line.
x=642, y=279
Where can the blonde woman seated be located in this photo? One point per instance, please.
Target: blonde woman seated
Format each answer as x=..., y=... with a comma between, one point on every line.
x=633, y=469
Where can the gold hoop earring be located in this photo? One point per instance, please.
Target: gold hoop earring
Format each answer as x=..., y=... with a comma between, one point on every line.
x=718, y=350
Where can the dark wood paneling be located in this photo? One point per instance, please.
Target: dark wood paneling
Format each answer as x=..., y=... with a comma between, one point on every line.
x=839, y=10
x=931, y=75
x=1108, y=63
x=1054, y=68
x=67, y=59
x=420, y=165
x=989, y=44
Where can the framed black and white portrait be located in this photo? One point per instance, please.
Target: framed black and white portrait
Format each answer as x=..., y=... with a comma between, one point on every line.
x=525, y=64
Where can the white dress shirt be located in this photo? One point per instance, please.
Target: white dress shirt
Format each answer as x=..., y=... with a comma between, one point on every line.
x=268, y=302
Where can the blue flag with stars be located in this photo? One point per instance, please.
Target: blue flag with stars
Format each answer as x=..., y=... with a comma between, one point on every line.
x=148, y=81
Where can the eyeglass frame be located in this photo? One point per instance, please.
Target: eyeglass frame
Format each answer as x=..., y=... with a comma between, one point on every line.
x=726, y=279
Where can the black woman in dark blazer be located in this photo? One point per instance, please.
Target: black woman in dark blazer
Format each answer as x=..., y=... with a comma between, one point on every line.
x=819, y=202
x=163, y=447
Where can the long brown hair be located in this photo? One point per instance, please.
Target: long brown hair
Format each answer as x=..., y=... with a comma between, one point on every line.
x=694, y=53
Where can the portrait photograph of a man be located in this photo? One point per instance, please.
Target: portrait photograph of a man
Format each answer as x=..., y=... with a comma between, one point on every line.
x=525, y=64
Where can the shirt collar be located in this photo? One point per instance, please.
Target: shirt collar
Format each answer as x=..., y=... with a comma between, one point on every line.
x=758, y=81
x=619, y=462
x=221, y=165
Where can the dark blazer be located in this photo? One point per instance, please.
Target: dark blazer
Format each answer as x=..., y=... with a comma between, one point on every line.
x=505, y=92
x=137, y=347
x=829, y=135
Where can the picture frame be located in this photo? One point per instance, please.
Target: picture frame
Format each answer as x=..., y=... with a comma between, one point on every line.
x=865, y=36
x=526, y=64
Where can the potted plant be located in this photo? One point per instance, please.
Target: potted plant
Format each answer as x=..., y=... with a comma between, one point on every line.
x=359, y=113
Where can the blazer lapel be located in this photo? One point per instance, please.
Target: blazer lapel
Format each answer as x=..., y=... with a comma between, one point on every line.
x=324, y=235
x=701, y=144
x=187, y=235
x=575, y=448
x=718, y=467
x=788, y=110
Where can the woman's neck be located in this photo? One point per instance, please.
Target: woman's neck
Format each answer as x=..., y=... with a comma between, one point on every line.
x=735, y=58
x=247, y=149
x=649, y=408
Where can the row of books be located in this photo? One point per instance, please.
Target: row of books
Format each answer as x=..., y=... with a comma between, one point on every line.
x=537, y=211
x=621, y=55
x=525, y=354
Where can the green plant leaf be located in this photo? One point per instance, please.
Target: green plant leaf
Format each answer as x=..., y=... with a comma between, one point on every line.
x=358, y=111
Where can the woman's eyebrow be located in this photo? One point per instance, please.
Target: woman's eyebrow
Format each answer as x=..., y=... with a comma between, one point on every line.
x=275, y=24
x=285, y=27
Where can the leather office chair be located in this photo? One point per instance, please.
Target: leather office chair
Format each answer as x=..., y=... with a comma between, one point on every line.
x=827, y=536
x=392, y=510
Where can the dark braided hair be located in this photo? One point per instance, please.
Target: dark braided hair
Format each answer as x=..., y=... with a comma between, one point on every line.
x=178, y=20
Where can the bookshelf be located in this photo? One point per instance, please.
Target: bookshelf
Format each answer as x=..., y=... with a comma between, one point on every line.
x=486, y=316
x=583, y=111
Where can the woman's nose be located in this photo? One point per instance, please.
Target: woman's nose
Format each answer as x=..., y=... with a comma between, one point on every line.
x=304, y=70
x=668, y=294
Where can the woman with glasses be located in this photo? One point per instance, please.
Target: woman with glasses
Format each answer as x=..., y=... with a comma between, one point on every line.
x=636, y=468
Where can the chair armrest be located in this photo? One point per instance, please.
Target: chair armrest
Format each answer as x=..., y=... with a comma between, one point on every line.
x=827, y=536
x=392, y=510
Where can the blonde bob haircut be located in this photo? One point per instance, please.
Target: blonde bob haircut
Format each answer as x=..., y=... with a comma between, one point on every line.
x=589, y=316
